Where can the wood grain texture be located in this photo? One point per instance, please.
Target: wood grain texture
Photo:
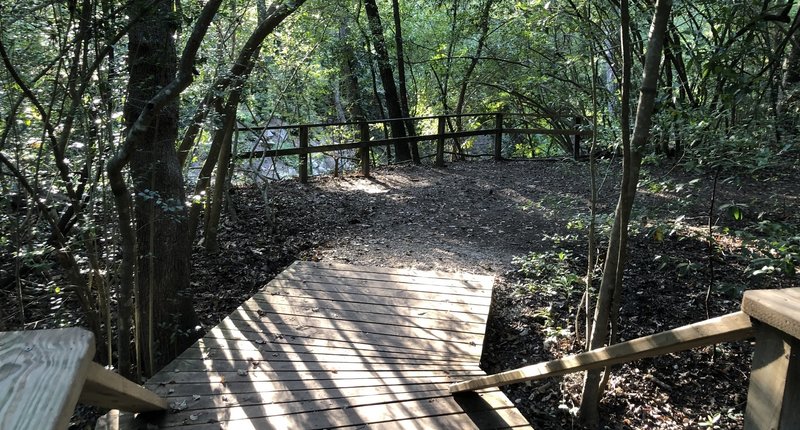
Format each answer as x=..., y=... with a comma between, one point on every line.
x=767, y=380
x=778, y=308
x=727, y=328
x=41, y=376
x=109, y=390
x=331, y=345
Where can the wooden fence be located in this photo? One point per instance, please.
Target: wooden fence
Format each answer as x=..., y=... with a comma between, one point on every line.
x=365, y=142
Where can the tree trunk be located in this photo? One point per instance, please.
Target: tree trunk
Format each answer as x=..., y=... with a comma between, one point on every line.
x=401, y=149
x=218, y=196
x=401, y=79
x=150, y=115
x=462, y=92
x=610, y=287
x=159, y=192
x=351, y=90
x=786, y=118
x=235, y=78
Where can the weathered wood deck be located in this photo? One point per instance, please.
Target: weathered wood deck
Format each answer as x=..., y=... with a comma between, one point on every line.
x=339, y=346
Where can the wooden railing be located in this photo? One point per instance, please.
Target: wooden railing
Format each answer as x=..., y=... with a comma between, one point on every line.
x=365, y=141
x=44, y=373
x=771, y=316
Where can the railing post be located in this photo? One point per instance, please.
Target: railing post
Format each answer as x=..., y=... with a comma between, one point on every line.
x=364, y=136
x=440, y=143
x=303, y=167
x=498, y=136
x=576, y=140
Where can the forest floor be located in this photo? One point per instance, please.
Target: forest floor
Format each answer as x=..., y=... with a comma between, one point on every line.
x=524, y=222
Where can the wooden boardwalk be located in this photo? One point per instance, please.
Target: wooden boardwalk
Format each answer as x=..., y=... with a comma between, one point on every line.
x=326, y=346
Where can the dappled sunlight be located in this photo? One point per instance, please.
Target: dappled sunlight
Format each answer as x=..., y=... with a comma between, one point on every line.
x=327, y=345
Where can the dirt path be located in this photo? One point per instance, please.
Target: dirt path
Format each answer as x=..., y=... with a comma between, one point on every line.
x=470, y=216
x=477, y=217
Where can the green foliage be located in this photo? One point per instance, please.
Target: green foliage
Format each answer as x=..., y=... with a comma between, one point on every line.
x=549, y=273
x=771, y=248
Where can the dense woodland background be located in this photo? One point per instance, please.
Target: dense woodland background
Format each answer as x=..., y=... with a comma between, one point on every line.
x=125, y=127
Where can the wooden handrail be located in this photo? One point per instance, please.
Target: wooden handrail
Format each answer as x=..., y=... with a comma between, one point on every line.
x=364, y=143
x=386, y=120
x=46, y=372
x=110, y=390
x=353, y=145
x=727, y=328
x=381, y=142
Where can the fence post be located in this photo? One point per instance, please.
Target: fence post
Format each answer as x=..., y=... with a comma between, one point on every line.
x=576, y=140
x=364, y=136
x=498, y=136
x=303, y=168
x=440, y=143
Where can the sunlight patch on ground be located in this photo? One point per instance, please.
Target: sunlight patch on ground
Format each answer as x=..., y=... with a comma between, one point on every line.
x=378, y=186
x=362, y=185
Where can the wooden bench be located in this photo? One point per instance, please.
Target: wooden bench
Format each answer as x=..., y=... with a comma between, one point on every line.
x=44, y=373
x=772, y=316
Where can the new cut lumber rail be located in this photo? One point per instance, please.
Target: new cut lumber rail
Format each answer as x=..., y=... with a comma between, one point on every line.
x=44, y=373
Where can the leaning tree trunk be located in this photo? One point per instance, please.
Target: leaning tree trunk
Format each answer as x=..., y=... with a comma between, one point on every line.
x=610, y=287
x=402, y=151
x=240, y=72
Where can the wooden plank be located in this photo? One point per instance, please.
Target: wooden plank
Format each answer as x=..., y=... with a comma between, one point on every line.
x=295, y=402
x=421, y=331
x=298, y=393
x=778, y=308
x=548, y=132
x=444, y=412
x=480, y=420
x=341, y=347
x=170, y=389
x=260, y=375
x=267, y=331
x=432, y=301
x=727, y=328
x=400, y=285
x=109, y=390
x=250, y=353
x=383, y=121
x=284, y=338
x=473, y=279
x=41, y=376
x=772, y=397
x=353, y=312
x=459, y=279
x=268, y=366
x=296, y=321
x=308, y=302
x=334, y=300
x=211, y=347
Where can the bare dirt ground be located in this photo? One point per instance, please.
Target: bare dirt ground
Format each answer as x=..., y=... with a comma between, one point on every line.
x=480, y=217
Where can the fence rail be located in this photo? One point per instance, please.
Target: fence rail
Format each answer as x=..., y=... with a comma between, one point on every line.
x=365, y=142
